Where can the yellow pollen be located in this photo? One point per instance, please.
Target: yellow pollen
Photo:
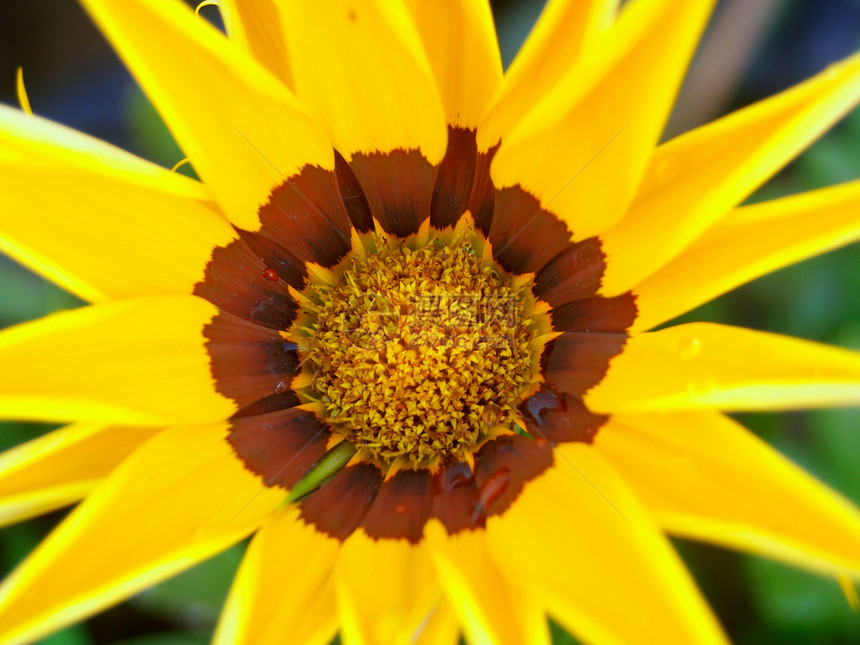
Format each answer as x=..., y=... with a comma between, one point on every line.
x=420, y=353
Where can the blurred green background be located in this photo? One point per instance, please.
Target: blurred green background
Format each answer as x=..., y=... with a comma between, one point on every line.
x=753, y=49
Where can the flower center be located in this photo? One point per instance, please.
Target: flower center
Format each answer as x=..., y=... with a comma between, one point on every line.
x=420, y=353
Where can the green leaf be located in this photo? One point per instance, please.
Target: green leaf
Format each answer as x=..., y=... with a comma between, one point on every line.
x=171, y=638
x=194, y=597
x=790, y=599
x=76, y=635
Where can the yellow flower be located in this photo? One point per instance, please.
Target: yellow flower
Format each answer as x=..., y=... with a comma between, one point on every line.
x=398, y=332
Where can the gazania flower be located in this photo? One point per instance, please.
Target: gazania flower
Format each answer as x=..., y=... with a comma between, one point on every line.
x=399, y=330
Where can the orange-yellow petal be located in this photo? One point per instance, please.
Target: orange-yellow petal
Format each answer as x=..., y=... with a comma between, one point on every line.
x=98, y=221
x=179, y=499
x=565, y=29
x=705, y=365
x=138, y=362
x=404, y=590
x=256, y=27
x=705, y=477
x=241, y=127
x=368, y=77
x=489, y=606
x=584, y=147
x=441, y=628
x=747, y=243
x=284, y=586
x=61, y=467
x=459, y=38
x=577, y=539
x=698, y=177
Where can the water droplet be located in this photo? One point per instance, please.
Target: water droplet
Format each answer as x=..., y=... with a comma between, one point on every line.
x=542, y=403
x=493, y=487
x=400, y=508
x=460, y=474
x=689, y=348
x=541, y=442
x=701, y=387
x=281, y=387
x=270, y=274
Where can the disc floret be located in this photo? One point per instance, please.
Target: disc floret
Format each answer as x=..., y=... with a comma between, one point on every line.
x=420, y=353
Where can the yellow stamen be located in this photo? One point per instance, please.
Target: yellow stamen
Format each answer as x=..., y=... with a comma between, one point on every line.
x=179, y=164
x=205, y=3
x=23, y=99
x=418, y=354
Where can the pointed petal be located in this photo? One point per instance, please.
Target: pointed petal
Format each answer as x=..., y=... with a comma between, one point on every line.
x=704, y=365
x=243, y=130
x=256, y=27
x=565, y=30
x=748, y=243
x=109, y=225
x=181, y=498
x=584, y=148
x=490, y=608
x=136, y=362
x=696, y=178
x=368, y=77
x=705, y=477
x=459, y=39
x=578, y=539
x=61, y=467
x=22, y=136
x=284, y=586
x=385, y=590
x=372, y=85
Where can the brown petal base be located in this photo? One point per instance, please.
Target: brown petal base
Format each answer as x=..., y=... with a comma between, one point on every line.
x=312, y=219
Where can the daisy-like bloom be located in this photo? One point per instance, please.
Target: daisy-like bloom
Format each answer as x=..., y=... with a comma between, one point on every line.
x=399, y=330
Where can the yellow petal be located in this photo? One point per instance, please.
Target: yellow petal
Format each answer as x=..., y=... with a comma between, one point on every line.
x=243, y=130
x=256, y=27
x=362, y=69
x=459, y=39
x=703, y=476
x=441, y=628
x=138, y=362
x=181, y=498
x=748, y=243
x=22, y=136
x=490, y=608
x=704, y=365
x=108, y=225
x=579, y=541
x=565, y=29
x=584, y=147
x=284, y=586
x=385, y=590
x=61, y=467
x=696, y=178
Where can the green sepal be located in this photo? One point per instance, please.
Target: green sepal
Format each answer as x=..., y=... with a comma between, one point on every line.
x=329, y=465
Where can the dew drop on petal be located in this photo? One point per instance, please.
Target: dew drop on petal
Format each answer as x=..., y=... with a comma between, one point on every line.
x=689, y=348
x=270, y=274
x=701, y=387
x=542, y=403
x=400, y=508
x=460, y=474
x=492, y=489
x=281, y=387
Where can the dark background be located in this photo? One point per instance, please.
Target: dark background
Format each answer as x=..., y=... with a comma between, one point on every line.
x=753, y=49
